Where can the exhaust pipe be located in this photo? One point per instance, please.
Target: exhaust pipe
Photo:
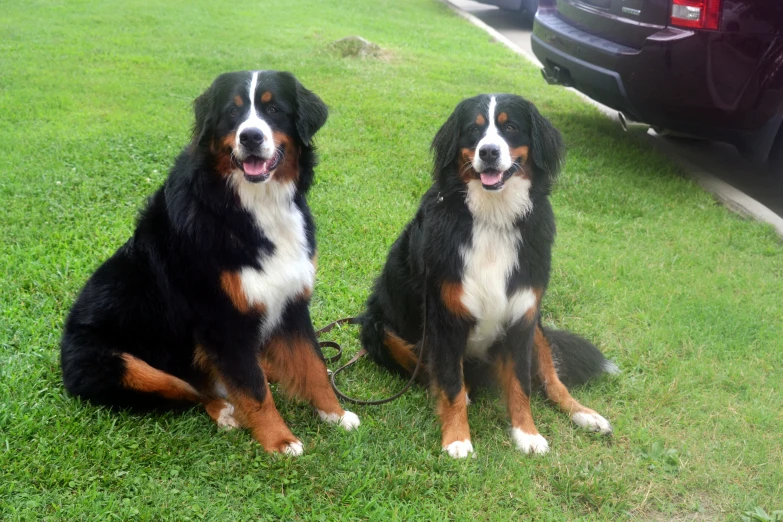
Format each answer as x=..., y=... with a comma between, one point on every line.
x=557, y=76
x=630, y=125
x=551, y=79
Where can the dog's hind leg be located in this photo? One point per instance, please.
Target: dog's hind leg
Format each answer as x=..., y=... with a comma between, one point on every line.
x=141, y=377
x=556, y=391
x=241, y=397
x=261, y=416
x=218, y=408
x=222, y=412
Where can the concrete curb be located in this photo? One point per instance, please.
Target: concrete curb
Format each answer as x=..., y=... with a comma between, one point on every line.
x=730, y=197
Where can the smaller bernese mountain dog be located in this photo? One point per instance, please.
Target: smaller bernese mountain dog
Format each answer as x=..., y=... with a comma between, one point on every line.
x=208, y=301
x=469, y=272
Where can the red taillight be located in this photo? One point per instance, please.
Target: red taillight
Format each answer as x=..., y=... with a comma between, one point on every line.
x=699, y=14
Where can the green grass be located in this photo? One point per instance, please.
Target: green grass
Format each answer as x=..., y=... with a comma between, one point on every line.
x=686, y=297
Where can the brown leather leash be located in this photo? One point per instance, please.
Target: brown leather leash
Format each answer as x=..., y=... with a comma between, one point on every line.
x=361, y=353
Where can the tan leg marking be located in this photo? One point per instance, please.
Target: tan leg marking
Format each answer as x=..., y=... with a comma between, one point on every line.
x=222, y=413
x=455, y=431
x=517, y=401
x=523, y=429
x=557, y=392
x=401, y=352
x=219, y=410
x=264, y=421
x=296, y=366
x=142, y=377
x=302, y=374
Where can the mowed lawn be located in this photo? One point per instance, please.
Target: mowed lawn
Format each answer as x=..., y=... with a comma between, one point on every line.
x=687, y=298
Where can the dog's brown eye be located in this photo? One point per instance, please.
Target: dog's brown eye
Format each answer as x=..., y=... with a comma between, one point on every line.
x=474, y=130
x=272, y=109
x=511, y=128
x=233, y=111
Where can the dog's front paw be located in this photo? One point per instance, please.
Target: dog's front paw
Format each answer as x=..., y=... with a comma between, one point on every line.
x=294, y=448
x=459, y=449
x=226, y=419
x=348, y=420
x=529, y=442
x=591, y=421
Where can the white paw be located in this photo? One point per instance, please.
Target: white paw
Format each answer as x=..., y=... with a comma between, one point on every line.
x=592, y=422
x=528, y=442
x=294, y=449
x=329, y=418
x=348, y=421
x=459, y=449
x=226, y=418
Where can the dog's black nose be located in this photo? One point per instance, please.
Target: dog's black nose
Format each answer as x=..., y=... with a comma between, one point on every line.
x=251, y=137
x=489, y=152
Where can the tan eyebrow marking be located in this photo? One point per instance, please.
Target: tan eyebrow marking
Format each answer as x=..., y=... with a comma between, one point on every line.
x=502, y=118
x=238, y=101
x=266, y=96
x=480, y=120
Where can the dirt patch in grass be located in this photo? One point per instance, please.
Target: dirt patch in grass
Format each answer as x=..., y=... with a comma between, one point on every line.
x=358, y=47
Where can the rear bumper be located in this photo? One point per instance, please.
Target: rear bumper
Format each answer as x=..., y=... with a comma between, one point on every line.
x=599, y=83
x=691, y=82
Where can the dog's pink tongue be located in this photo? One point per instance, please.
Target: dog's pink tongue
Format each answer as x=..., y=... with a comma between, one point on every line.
x=255, y=166
x=490, y=177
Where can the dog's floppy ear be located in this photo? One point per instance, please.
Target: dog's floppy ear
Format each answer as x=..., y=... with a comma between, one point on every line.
x=203, y=107
x=548, y=148
x=444, y=145
x=311, y=111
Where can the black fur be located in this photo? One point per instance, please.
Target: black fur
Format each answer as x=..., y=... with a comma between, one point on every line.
x=577, y=360
x=160, y=296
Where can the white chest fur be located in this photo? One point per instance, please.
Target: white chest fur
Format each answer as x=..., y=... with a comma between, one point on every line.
x=490, y=259
x=288, y=271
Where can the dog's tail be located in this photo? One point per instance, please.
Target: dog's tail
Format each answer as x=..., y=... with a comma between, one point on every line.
x=576, y=359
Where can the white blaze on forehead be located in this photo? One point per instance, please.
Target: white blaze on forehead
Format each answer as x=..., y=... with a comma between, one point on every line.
x=492, y=137
x=253, y=121
x=493, y=104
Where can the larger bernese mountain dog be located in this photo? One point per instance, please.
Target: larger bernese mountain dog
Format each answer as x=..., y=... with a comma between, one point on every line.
x=208, y=301
x=468, y=274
